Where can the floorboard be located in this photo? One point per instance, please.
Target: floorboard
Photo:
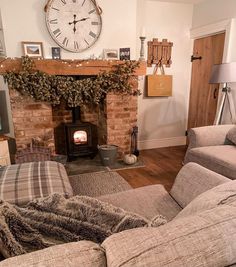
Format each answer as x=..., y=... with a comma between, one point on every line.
x=161, y=167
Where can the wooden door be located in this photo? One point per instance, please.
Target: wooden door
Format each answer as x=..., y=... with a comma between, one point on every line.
x=204, y=96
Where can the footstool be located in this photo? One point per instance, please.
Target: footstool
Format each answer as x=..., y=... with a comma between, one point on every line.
x=20, y=183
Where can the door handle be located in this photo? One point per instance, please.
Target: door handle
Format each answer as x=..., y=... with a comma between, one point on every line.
x=195, y=58
x=215, y=93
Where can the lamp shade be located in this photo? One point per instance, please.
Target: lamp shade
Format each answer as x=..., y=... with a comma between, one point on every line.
x=223, y=73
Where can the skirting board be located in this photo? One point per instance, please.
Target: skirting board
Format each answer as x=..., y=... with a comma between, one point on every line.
x=165, y=142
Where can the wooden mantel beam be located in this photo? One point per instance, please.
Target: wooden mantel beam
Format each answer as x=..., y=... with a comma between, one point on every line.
x=68, y=67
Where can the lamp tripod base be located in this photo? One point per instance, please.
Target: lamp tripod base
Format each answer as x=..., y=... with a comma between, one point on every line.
x=226, y=96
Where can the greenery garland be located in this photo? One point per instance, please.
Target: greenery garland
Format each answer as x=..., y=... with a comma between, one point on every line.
x=55, y=89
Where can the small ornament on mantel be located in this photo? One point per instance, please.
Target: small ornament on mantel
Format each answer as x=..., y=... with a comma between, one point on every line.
x=142, y=39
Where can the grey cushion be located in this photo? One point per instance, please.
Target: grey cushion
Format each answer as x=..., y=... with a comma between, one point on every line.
x=224, y=194
x=147, y=201
x=207, y=240
x=231, y=135
x=83, y=253
x=192, y=180
x=221, y=159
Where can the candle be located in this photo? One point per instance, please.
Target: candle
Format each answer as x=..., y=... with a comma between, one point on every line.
x=143, y=32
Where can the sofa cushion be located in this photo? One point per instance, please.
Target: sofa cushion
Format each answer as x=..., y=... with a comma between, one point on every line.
x=224, y=194
x=231, y=135
x=21, y=183
x=221, y=159
x=82, y=253
x=207, y=239
x=147, y=201
x=192, y=180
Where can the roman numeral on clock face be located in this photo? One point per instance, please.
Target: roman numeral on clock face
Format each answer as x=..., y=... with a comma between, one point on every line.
x=53, y=21
x=57, y=32
x=55, y=9
x=83, y=2
x=92, y=11
x=86, y=42
x=76, y=45
x=95, y=23
x=92, y=34
x=63, y=1
x=65, y=41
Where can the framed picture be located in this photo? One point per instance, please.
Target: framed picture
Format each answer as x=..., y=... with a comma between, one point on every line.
x=32, y=49
x=110, y=54
x=125, y=53
x=56, y=53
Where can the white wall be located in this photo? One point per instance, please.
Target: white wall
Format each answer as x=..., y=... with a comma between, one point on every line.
x=25, y=21
x=214, y=11
x=211, y=11
x=162, y=120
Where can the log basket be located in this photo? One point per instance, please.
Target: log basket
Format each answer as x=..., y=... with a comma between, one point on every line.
x=33, y=153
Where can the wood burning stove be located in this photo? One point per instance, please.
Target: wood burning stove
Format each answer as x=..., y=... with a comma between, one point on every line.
x=81, y=137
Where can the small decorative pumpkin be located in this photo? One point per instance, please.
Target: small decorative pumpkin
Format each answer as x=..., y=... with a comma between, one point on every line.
x=130, y=159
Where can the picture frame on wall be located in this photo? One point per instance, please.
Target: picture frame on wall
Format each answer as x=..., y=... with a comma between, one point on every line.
x=125, y=53
x=111, y=54
x=56, y=53
x=32, y=49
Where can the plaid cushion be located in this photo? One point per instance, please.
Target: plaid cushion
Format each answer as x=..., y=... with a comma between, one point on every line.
x=21, y=183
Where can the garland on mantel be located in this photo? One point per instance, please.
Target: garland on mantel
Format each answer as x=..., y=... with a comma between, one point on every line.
x=54, y=89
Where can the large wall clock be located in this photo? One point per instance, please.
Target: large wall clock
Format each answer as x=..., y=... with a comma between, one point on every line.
x=75, y=25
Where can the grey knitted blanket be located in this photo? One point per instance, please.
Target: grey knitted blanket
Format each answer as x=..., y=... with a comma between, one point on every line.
x=53, y=220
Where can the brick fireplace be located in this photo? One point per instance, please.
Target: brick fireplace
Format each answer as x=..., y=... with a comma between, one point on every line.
x=114, y=118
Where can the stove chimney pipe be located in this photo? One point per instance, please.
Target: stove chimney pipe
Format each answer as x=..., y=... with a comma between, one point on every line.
x=76, y=116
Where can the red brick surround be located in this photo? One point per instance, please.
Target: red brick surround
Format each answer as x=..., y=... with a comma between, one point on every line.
x=114, y=118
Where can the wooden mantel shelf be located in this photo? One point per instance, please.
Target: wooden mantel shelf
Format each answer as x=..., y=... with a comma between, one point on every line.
x=68, y=67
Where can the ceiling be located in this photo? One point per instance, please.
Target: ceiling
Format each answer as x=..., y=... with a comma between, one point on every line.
x=182, y=1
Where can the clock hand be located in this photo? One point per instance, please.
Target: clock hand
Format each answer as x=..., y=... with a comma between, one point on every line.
x=73, y=22
x=83, y=19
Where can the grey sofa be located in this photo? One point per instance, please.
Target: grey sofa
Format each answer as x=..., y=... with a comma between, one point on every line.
x=209, y=147
x=201, y=228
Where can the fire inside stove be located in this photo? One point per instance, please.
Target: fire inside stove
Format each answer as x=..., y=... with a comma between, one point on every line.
x=80, y=137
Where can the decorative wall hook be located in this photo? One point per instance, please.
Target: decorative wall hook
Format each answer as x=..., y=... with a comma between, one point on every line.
x=159, y=52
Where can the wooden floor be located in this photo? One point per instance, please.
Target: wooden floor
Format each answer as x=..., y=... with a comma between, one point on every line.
x=161, y=167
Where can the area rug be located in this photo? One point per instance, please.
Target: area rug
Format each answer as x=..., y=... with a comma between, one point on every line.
x=106, y=182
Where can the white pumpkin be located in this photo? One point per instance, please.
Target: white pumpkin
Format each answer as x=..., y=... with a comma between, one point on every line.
x=130, y=159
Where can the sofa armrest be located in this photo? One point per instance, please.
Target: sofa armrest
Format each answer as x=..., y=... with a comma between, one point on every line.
x=192, y=180
x=208, y=135
x=73, y=254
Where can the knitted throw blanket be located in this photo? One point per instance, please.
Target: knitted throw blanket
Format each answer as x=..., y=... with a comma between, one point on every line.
x=54, y=220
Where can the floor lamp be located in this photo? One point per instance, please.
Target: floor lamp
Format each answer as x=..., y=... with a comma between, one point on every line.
x=224, y=73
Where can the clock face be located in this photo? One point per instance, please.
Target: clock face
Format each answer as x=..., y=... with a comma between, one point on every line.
x=75, y=25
